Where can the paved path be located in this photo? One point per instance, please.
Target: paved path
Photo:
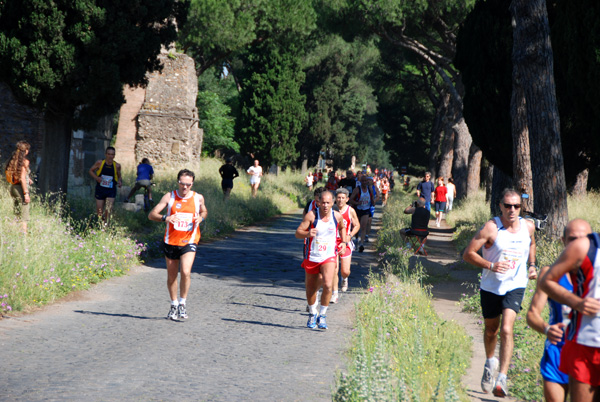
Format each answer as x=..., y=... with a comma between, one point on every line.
x=245, y=339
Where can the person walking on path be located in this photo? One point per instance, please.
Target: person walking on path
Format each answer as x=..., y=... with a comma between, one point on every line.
x=107, y=175
x=185, y=211
x=17, y=175
x=425, y=188
x=352, y=227
x=508, y=261
x=255, y=172
x=556, y=383
x=580, y=357
x=321, y=228
x=145, y=172
x=451, y=194
x=228, y=172
x=440, y=201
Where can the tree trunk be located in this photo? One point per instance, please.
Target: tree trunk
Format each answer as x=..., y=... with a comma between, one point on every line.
x=580, y=186
x=500, y=181
x=474, y=175
x=460, y=163
x=304, y=166
x=522, y=175
x=488, y=177
x=532, y=56
x=447, y=154
x=437, y=132
x=54, y=167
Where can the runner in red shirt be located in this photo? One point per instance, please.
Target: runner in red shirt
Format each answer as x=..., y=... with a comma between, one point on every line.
x=440, y=201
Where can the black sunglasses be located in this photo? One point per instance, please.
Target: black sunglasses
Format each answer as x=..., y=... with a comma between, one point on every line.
x=515, y=206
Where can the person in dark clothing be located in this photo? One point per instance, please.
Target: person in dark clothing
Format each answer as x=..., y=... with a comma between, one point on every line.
x=228, y=172
x=348, y=182
x=426, y=189
x=419, y=224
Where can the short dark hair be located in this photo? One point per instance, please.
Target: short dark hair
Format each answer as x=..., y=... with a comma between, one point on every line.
x=186, y=172
x=509, y=191
x=146, y=161
x=110, y=148
x=318, y=191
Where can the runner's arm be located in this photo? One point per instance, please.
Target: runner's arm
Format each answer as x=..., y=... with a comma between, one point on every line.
x=534, y=315
x=485, y=235
x=203, y=211
x=304, y=231
x=155, y=215
x=355, y=223
x=93, y=170
x=531, y=262
x=120, y=181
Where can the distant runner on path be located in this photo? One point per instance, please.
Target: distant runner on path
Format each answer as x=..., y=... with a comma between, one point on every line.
x=228, y=172
x=107, y=175
x=508, y=246
x=185, y=211
x=255, y=172
x=321, y=227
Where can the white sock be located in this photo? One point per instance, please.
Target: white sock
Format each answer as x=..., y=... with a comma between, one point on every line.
x=174, y=303
x=501, y=376
x=489, y=362
x=323, y=310
x=181, y=300
x=335, y=292
x=313, y=308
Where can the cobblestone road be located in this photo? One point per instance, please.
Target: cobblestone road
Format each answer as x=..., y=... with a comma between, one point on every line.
x=245, y=339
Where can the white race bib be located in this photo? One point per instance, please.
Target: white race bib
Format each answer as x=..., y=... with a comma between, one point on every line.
x=185, y=222
x=107, y=181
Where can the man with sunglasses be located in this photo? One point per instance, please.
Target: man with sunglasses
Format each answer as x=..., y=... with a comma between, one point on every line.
x=508, y=261
x=185, y=211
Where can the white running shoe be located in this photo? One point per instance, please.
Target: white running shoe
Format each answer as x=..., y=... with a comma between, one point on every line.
x=489, y=373
x=334, y=298
x=501, y=389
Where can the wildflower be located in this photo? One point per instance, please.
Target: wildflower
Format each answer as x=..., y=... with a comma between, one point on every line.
x=371, y=289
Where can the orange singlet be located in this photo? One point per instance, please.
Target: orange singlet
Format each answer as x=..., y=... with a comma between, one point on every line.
x=186, y=231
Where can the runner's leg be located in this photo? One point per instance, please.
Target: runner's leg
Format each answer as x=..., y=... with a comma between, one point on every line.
x=186, y=262
x=172, y=273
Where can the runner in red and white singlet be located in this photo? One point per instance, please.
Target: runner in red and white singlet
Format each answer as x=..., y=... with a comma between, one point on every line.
x=352, y=227
x=580, y=356
x=185, y=211
x=321, y=227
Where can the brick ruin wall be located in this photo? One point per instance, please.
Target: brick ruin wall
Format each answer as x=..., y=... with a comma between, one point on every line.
x=167, y=124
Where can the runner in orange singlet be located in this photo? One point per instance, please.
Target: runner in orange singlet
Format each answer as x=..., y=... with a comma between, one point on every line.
x=385, y=189
x=185, y=211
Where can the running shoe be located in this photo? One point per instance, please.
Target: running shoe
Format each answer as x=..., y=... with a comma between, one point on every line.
x=361, y=248
x=501, y=389
x=172, y=313
x=489, y=372
x=334, y=298
x=321, y=322
x=312, y=321
x=344, y=284
x=181, y=312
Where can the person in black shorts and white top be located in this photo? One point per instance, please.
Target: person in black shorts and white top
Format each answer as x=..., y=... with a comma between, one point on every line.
x=508, y=248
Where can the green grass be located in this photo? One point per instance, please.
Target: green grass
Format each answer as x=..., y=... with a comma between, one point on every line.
x=402, y=350
x=525, y=381
x=66, y=249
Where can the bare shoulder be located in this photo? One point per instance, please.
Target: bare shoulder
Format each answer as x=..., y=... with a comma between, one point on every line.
x=488, y=231
x=530, y=226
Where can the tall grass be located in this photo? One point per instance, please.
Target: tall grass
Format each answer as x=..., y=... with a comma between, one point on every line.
x=401, y=349
x=67, y=249
x=525, y=381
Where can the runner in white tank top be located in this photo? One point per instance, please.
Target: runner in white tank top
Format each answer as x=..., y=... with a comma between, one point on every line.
x=321, y=227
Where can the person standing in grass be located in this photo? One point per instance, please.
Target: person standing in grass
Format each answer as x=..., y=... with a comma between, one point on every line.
x=508, y=260
x=17, y=175
x=321, y=227
x=255, y=172
x=556, y=383
x=107, y=175
x=580, y=356
x=228, y=172
x=185, y=211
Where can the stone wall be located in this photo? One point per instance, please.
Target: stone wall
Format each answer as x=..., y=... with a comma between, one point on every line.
x=168, y=132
